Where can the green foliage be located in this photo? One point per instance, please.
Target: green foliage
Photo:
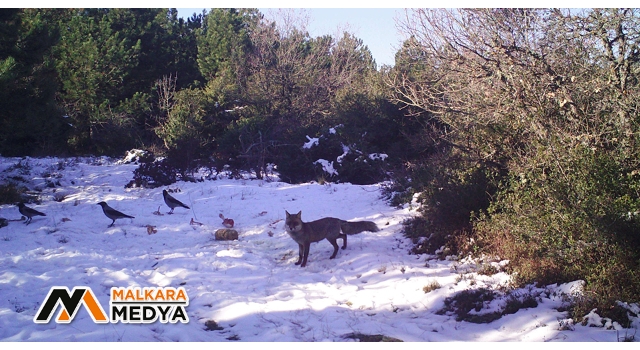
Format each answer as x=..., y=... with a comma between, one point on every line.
x=187, y=130
x=116, y=130
x=352, y=160
x=224, y=41
x=535, y=140
x=451, y=196
x=30, y=121
x=94, y=61
x=152, y=173
x=558, y=226
x=360, y=134
x=420, y=231
x=292, y=86
x=167, y=46
x=251, y=142
x=606, y=307
x=107, y=61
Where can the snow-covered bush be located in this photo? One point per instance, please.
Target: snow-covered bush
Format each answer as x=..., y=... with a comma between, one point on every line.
x=153, y=172
x=332, y=157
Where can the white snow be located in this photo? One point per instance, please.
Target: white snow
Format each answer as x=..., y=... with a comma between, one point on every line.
x=327, y=166
x=250, y=287
x=345, y=152
x=376, y=156
x=333, y=130
x=312, y=141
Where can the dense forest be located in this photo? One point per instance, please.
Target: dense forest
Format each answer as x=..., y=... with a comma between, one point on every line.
x=516, y=129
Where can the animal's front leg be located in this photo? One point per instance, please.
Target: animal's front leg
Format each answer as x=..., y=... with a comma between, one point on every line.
x=300, y=251
x=305, y=255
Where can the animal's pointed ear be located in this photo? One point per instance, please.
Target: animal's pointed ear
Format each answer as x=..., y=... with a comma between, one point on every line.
x=287, y=213
x=299, y=215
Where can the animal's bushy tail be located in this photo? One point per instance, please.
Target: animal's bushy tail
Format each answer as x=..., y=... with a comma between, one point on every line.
x=353, y=227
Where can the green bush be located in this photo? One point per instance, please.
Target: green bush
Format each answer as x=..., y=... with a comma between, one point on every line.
x=152, y=172
x=555, y=225
x=451, y=196
x=188, y=130
x=350, y=161
x=250, y=142
x=118, y=129
x=295, y=166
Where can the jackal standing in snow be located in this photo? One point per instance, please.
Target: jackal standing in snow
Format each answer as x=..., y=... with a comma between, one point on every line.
x=305, y=233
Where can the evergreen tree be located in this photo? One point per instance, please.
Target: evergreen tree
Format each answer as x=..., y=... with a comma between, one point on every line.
x=109, y=61
x=93, y=61
x=30, y=122
x=224, y=41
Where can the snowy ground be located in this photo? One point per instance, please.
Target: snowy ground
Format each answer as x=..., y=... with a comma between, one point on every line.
x=249, y=287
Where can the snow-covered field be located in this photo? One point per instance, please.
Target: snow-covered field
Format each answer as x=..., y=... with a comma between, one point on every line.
x=250, y=287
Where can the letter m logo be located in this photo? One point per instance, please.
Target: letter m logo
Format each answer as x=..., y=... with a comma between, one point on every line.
x=70, y=303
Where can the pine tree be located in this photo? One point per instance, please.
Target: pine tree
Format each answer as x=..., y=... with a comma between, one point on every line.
x=30, y=122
